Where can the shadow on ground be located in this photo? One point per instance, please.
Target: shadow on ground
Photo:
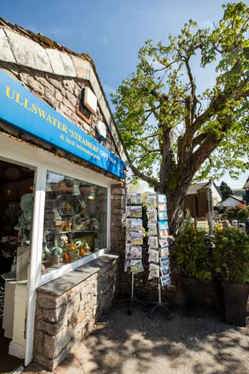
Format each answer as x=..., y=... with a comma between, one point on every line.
x=125, y=344
x=134, y=344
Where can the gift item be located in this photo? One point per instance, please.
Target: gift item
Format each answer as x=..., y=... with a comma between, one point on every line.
x=24, y=225
x=153, y=256
x=134, y=211
x=134, y=237
x=162, y=207
x=152, y=229
x=154, y=271
x=164, y=265
x=165, y=280
x=134, y=233
x=164, y=252
x=163, y=233
x=136, y=266
x=163, y=243
x=162, y=215
x=134, y=198
x=163, y=224
x=151, y=200
x=134, y=224
x=158, y=227
x=152, y=215
x=133, y=252
x=161, y=198
x=153, y=242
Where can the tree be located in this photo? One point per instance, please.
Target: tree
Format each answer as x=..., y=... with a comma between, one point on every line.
x=225, y=190
x=172, y=130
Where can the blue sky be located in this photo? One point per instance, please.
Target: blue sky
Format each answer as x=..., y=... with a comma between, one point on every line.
x=112, y=31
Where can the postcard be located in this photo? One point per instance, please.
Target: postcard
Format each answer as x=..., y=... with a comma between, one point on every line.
x=153, y=256
x=153, y=242
x=136, y=266
x=133, y=252
x=134, y=211
x=134, y=198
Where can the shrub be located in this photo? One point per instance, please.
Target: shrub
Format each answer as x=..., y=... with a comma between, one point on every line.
x=240, y=213
x=231, y=255
x=190, y=255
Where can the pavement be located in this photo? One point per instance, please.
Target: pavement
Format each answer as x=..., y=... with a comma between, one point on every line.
x=197, y=343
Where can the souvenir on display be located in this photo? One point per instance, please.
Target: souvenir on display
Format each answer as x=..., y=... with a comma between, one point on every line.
x=165, y=280
x=153, y=242
x=134, y=211
x=164, y=252
x=151, y=200
x=164, y=265
x=163, y=233
x=153, y=256
x=134, y=224
x=68, y=205
x=134, y=237
x=134, y=198
x=163, y=229
x=153, y=271
x=81, y=222
x=163, y=225
x=152, y=215
x=24, y=225
x=152, y=229
x=162, y=215
x=162, y=207
x=161, y=198
x=163, y=243
x=136, y=266
x=133, y=252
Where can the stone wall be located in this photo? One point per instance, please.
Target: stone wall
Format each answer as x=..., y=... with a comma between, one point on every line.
x=68, y=308
x=118, y=202
x=63, y=94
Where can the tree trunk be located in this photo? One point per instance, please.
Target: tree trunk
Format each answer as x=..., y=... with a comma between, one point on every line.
x=175, y=201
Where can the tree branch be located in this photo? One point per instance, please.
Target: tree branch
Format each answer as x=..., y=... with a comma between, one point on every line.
x=193, y=89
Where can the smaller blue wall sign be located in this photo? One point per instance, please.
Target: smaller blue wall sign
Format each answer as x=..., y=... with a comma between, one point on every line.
x=20, y=108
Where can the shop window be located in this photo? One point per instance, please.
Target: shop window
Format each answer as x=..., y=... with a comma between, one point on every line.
x=75, y=222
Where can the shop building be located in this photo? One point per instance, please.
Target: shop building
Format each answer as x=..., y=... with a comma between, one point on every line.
x=62, y=176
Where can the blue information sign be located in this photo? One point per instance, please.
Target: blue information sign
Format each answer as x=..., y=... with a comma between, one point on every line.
x=20, y=108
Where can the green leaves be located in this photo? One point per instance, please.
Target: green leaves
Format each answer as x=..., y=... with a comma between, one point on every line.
x=167, y=123
x=231, y=255
x=190, y=256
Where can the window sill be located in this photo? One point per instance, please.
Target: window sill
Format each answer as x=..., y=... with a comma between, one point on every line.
x=68, y=281
x=64, y=269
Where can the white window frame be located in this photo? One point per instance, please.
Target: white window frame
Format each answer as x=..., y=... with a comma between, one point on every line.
x=23, y=153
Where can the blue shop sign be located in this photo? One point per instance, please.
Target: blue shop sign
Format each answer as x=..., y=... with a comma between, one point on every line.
x=20, y=108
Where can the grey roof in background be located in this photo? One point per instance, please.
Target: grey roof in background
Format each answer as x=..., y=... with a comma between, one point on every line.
x=196, y=187
x=246, y=185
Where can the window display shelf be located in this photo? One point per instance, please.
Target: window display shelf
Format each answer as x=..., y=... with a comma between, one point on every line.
x=72, y=231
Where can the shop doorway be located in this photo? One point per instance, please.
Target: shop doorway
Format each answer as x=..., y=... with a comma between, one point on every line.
x=16, y=215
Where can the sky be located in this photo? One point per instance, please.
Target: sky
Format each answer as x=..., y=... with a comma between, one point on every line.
x=112, y=31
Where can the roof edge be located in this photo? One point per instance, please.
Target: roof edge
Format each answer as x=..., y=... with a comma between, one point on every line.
x=38, y=52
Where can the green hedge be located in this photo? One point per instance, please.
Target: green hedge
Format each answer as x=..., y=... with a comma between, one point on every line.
x=229, y=258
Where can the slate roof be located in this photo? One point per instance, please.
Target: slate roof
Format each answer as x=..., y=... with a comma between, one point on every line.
x=33, y=50
x=246, y=185
x=194, y=188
